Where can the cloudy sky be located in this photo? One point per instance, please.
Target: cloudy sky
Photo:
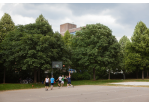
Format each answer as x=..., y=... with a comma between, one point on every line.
x=121, y=18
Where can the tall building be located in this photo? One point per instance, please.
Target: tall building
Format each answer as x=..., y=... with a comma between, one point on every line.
x=72, y=28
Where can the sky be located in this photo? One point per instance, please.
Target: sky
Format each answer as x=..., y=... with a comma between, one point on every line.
x=121, y=18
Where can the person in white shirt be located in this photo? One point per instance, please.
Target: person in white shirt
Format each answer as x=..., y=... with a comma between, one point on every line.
x=59, y=81
x=47, y=83
x=62, y=82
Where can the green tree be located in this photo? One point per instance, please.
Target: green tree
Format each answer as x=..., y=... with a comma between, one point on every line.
x=131, y=59
x=6, y=25
x=67, y=38
x=64, y=51
x=139, y=47
x=43, y=26
x=95, y=47
x=122, y=43
x=27, y=50
x=41, y=19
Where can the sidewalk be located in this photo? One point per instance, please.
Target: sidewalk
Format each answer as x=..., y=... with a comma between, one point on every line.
x=133, y=83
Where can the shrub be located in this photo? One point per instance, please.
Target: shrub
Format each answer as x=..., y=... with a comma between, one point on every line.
x=80, y=76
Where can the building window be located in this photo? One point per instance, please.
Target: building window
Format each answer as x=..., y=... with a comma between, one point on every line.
x=73, y=33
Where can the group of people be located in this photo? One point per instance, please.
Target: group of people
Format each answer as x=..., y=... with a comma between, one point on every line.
x=60, y=81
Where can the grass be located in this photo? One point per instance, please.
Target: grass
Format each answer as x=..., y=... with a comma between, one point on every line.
x=11, y=86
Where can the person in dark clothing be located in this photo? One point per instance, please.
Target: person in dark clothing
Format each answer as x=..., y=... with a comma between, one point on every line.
x=47, y=80
x=69, y=81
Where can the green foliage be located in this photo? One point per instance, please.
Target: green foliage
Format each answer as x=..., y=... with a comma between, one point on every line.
x=94, y=47
x=39, y=28
x=132, y=59
x=31, y=50
x=67, y=61
x=67, y=38
x=42, y=26
x=137, y=53
x=123, y=41
x=81, y=76
x=86, y=76
x=34, y=47
x=41, y=19
x=6, y=25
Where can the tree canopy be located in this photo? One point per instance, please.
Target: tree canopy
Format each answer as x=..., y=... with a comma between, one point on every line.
x=67, y=38
x=6, y=25
x=95, y=47
x=33, y=46
x=123, y=41
x=137, y=50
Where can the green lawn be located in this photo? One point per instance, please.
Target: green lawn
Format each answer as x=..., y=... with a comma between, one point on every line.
x=10, y=86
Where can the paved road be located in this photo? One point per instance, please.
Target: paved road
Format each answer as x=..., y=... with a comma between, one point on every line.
x=87, y=93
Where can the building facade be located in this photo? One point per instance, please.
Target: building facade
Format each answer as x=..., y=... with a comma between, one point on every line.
x=72, y=28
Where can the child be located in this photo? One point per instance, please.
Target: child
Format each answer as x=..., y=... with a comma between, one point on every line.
x=59, y=81
x=62, y=82
x=52, y=82
x=46, y=83
x=69, y=81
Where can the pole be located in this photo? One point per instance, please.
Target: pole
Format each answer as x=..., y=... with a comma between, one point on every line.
x=52, y=71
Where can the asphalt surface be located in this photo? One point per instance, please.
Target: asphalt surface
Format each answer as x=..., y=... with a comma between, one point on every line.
x=85, y=93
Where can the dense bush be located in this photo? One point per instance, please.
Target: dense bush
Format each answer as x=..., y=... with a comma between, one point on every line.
x=80, y=76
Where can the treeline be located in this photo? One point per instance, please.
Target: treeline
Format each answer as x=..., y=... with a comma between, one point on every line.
x=28, y=50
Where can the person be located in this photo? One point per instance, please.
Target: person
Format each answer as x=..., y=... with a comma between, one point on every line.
x=59, y=81
x=69, y=81
x=62, y=82
x=52, y=82
x=47, y=83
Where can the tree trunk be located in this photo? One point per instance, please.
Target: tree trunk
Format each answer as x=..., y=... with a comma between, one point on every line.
x=142, y=74
x=124, y=74
x=4, y=75
x=109, y=74
x=35, y=76
x=147, y=73
x=137, y=74
x=39, y=75
x=94, y=74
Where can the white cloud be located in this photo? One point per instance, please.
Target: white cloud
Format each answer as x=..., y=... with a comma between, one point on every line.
x=62, y=14
x=67, y=20
x=118, y=38
x=1, y=12
x=118, y=30
x=107, y=20
x=90, y=19
x=76, y=1
x=59, y=9
x=18, y=19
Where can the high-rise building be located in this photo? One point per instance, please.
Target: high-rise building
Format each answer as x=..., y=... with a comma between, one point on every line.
x=72, y=28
